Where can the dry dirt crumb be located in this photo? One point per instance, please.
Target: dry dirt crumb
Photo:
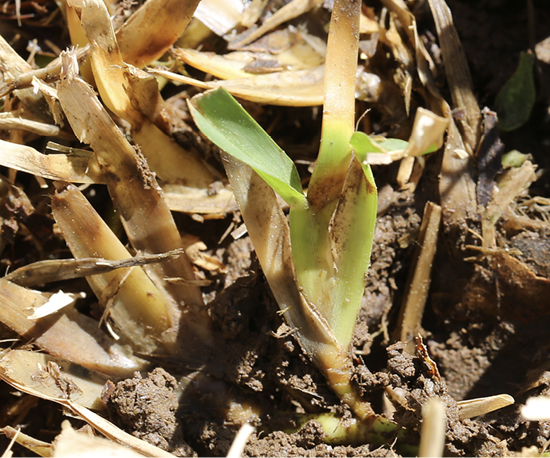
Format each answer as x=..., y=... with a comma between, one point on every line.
x=147, y=407
x=306, y=442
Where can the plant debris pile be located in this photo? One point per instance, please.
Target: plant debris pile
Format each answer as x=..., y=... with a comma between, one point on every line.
x=153, y=289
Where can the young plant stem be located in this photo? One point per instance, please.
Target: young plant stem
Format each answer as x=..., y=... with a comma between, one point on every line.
x=339, y=106
x=270, y=234
x=316, y=267
x=332, y=230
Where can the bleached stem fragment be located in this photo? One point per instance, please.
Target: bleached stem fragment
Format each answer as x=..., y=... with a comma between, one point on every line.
x=418, y=285
x=138, y=200
x=137, y=308
x=458, y=73
x=432, y=440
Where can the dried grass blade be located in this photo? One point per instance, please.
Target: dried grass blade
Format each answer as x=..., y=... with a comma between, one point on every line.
x=153, y=28
x=476, y=407
x=55, y=377
x=458, y=73
x=42, y=272
x=302, y=88
x=10, y=121
x=75, y=169
x=64, y=334
x=211, y=63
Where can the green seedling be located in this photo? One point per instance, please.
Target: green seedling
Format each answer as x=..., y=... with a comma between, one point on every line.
x=316, y=262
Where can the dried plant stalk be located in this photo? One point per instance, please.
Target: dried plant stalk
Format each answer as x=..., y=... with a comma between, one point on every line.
x=42, y=272
x=458, y=73
x=76, y=169
x=129, y=96
x=11, y=121
x=137, y=307
x=418, y=284
x=138, y=199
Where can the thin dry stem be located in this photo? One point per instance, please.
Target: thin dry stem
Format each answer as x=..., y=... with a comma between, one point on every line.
x=458, y=73
x=434, y=424
x=418, y=284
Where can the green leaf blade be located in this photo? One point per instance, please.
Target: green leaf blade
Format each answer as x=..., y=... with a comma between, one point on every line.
x=351, y=234
x=225, y=122
x=363, y=144
x=516, y=99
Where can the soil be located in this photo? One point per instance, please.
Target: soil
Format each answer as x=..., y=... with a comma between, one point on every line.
x=499, y=345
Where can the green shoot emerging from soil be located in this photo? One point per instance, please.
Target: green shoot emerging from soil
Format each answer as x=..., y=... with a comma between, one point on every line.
x=316, y=267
